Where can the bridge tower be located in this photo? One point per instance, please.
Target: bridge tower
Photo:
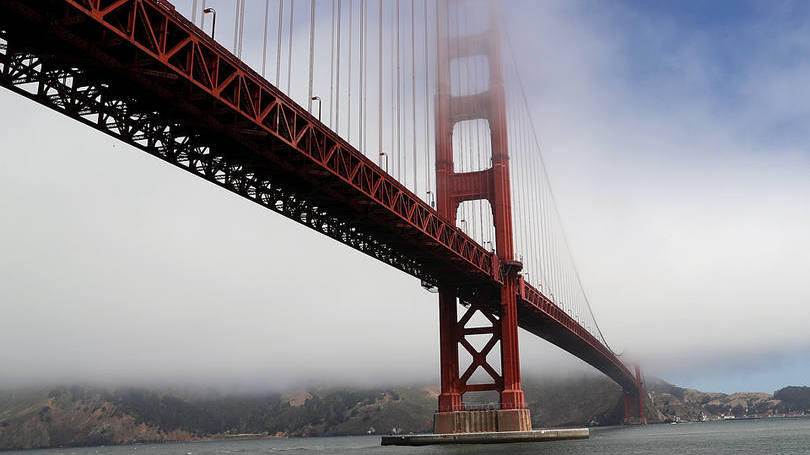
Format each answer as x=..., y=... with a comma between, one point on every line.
x=634, y=401
x=498, y=305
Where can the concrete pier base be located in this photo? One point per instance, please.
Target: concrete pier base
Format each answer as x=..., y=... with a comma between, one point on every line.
x=499, y=437
x=491, y=420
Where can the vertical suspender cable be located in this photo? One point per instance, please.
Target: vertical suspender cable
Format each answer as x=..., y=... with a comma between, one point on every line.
x=311, y=51
x=362, y=56
x=364, y=120
x=395, y=163
x=236, y=25
x=264, y=41
x=332, y=68
x=241, y=26
x=528, y=236
x=469, y=207
x=337, y=82
x=202, y=17
x=360, y=43
x=350, y=80
x=475, y=132
x=427, y=105
x=399, y=110
x=413, y=96
x=290, y=47
x=278, y=41
x=380, y=84
x=194, y=12
x=461, y=125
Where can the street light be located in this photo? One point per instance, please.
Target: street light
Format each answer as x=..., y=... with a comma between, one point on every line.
x=318, y=99
x=431, y=198
x=383, y=155
x=213, y=20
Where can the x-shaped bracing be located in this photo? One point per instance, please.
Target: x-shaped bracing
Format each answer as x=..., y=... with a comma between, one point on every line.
x=479, y=358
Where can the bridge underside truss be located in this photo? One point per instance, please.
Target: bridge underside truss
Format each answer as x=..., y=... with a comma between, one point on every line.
x=242, y=136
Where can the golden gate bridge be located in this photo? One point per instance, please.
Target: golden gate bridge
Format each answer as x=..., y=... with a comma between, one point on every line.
x=416, y=147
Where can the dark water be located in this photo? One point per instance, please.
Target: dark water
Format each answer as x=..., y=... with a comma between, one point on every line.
x=775, y=436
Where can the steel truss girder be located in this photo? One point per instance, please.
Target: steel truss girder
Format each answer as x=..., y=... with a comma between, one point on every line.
x=67, y=91
x=146, y=41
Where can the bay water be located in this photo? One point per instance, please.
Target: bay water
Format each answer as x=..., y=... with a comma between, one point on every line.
x=739, y=437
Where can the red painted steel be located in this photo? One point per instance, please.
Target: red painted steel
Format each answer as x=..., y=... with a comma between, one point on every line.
x=139, y=71
x=491, y=184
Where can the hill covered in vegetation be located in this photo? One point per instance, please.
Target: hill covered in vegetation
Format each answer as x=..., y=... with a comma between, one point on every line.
x=677, y=404
x=794, y=398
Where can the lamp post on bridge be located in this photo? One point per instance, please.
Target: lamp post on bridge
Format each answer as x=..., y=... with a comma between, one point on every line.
x=431, y=198
x=213, y=12
x=318, y=99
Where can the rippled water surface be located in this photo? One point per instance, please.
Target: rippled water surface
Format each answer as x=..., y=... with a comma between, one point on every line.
x=774, y=436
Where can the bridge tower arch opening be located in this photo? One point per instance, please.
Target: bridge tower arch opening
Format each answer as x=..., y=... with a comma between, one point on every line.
x=455, y=186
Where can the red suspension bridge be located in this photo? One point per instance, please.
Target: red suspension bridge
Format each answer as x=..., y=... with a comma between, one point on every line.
x=425, y=159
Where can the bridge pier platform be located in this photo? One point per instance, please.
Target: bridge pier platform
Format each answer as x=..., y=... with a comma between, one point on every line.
x=497, y=437
x=482, y=421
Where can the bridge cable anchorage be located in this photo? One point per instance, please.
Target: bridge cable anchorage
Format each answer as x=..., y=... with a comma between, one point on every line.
x=311, y=53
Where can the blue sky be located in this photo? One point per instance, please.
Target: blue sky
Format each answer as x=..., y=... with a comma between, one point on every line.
x=676, y=134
